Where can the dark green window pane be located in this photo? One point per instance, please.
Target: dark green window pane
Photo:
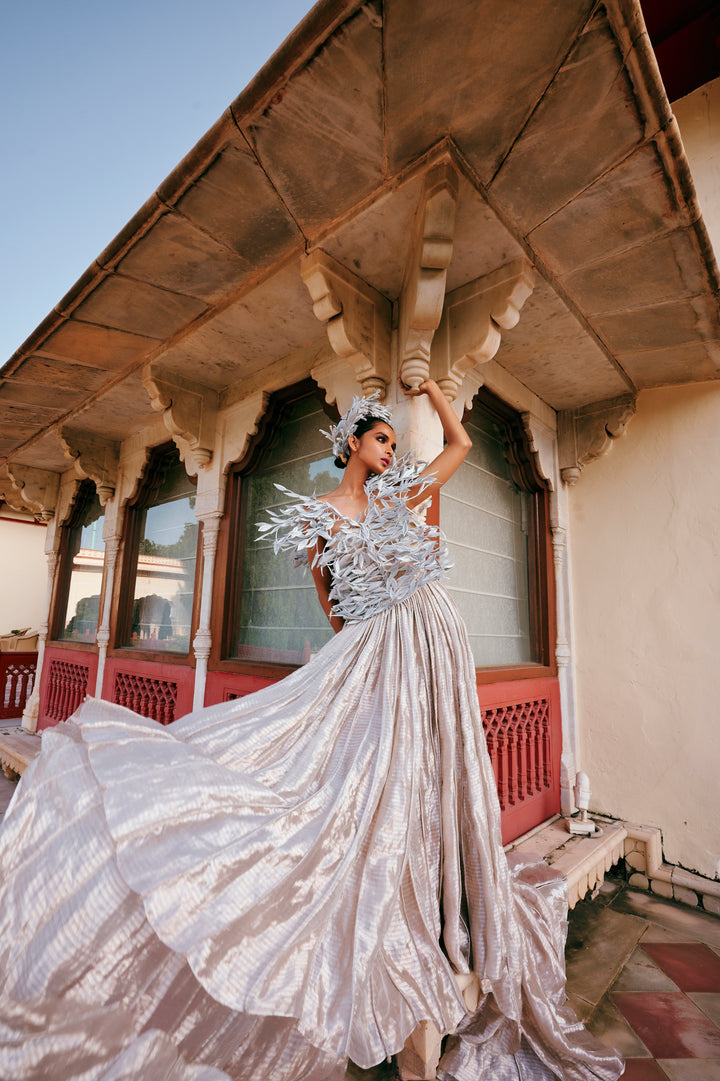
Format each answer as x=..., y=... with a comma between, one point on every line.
x=280, y=618
x=86, y=549
x=164, y=578
x=485, y=518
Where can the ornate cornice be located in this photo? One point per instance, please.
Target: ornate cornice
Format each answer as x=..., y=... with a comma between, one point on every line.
x=93, y=457
x=587, y=433
x=469, y=334
x=189, y=411
x=357, y=318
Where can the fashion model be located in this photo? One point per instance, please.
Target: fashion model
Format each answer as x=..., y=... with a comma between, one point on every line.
x=270, y=887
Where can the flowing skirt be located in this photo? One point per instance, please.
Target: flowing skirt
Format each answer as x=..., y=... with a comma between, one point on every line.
x=272, y=886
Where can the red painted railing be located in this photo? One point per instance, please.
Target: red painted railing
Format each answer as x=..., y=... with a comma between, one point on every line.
x=68, y=676
x=17, y=677
x=66, y=689
x=153, y=689
x=156, y=698
x=523, y=732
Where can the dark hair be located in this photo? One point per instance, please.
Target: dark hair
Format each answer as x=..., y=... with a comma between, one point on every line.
x=365, y=425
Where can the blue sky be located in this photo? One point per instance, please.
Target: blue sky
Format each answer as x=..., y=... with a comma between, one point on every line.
x=100, y=101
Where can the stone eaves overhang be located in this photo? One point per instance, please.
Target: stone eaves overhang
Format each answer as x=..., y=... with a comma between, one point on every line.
x=555, y=123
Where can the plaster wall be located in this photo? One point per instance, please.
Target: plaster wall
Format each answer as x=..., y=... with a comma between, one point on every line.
x=23, y=575
x=698, y=116
x=645, y=552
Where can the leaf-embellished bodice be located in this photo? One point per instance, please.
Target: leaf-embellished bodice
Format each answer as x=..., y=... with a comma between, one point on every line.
x=377, y=559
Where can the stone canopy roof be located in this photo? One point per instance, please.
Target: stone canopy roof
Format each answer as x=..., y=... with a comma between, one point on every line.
x=554, y=125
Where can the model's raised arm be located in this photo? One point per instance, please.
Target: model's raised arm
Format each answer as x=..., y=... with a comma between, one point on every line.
x=457, y=441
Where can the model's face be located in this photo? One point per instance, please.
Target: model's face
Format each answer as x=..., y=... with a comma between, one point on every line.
x=376, y=448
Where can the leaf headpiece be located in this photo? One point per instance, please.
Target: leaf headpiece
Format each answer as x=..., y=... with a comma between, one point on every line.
x=361, y=408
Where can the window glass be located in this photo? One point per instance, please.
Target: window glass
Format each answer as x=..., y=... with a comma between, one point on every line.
x=485, y=517
x=164, y=573
x=279, y=617
x=85, y=551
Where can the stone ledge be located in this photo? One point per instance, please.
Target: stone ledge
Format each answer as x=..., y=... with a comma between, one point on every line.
x=18, y=748
x=643, y=857
x=583, y=861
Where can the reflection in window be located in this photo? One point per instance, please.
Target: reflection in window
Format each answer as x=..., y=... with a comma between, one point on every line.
x=277, y=614
x=162, y=578
x=486, y=519
x=82, y=570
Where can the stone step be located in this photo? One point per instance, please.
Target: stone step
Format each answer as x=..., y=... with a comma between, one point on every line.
x=582, y=860
x=18, y=749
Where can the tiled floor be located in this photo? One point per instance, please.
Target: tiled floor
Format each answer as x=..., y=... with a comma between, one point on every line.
x=644, y=974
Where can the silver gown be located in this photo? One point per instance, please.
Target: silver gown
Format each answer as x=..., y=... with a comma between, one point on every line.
x=272, y=886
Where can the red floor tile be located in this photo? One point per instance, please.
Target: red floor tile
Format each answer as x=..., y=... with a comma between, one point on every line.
x=691, y=965
x=643, y=1069
x=669, y=1024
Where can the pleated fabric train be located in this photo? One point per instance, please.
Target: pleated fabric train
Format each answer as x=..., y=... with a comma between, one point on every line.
x=272, y=886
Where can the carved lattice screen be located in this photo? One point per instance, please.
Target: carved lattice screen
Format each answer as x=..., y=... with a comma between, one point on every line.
x=16, y=684
x=155, y=698
x=67, y=687
x=518, y=740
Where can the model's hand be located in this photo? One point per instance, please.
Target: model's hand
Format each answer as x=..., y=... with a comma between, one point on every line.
x=424, y=388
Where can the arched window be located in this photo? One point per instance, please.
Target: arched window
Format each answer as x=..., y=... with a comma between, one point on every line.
x=155, y=612
x=82, y=551
x=273, y=614
x=494, y=514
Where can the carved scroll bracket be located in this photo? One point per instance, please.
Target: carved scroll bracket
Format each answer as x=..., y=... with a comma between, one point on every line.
x=36, y=488
x=423, y=291
x=189, y=411
x=469, y=334
x=358, y=319
x=587, y=433
x=94, y=457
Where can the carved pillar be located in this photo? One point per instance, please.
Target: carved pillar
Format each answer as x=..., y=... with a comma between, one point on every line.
x=112, y=546
x=32, y=706
x=203, y=636
x=357, y=318
x=544, y=445
x=563, y=657
x=423, y=291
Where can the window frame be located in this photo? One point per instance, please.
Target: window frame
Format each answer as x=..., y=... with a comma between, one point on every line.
x=526, y=473
x=123, y=597
x=63, y=575
x=231, y=556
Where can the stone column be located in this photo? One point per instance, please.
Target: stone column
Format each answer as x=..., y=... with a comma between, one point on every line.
x=32, y=706
x=563, y=651
x=112, y=546
x=203, y=636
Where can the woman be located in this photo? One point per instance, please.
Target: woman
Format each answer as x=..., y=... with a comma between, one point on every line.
x=270, y=887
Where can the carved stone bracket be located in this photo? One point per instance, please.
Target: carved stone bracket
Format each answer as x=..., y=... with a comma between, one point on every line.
x=586, y=433
x=37, y=489
x=469, y=334
x=423, y=291
x=189, y=412
x=239, y=423
x=358, y=319
x=94, y=457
